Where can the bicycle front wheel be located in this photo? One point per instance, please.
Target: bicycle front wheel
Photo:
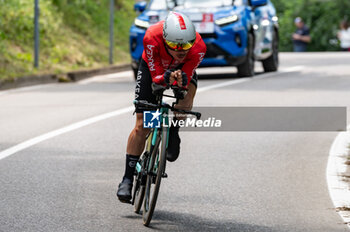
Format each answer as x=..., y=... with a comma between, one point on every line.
x=154, y=177
x=139, y=193
x=140, y=181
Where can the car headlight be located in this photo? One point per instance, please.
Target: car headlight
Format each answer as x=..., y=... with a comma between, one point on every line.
x=141, y=23
x=227, y=20
x=265, y=22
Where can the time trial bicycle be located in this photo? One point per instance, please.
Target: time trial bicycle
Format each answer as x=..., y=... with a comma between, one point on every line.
x=150, y=168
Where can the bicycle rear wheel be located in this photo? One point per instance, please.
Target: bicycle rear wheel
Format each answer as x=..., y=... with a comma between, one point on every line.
x=154, y=176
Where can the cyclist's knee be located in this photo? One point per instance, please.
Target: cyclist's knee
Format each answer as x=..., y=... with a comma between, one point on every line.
x=139, y=130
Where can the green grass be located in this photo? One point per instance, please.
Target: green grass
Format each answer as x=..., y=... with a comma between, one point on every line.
x=73, y=35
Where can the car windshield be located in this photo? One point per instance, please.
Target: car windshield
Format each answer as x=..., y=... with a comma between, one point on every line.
x=170, y=4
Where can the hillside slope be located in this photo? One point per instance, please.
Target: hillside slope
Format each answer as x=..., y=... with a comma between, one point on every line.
x=73, y=35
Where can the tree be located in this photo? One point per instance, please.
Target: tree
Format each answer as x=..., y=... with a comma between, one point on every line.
x=321, y=16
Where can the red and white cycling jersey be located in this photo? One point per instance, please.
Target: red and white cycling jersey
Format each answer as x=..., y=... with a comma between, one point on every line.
x=159, y=60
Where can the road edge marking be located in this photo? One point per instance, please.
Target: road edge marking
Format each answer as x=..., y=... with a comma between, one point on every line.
x=31, y=142
x=338, y=187
x=63, y=130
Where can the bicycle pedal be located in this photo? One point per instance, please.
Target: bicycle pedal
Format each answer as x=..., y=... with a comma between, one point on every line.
x=164, y=175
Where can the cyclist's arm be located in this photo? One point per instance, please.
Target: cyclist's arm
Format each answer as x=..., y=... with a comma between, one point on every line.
x=196, y=56
x=152, y=57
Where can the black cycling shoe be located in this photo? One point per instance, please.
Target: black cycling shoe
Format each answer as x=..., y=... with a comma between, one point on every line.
x=124, y=191
x=174, y=144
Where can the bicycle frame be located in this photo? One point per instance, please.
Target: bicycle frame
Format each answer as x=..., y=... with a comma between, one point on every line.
x=154, y=134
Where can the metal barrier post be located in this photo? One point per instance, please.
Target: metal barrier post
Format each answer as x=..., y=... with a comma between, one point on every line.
x=36, y=33
x=111, y=32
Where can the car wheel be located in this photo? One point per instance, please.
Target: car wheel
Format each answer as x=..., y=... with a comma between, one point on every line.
x=247, y=68
x=271, y=63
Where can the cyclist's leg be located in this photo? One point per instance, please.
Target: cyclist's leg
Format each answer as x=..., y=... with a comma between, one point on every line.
x=185, y=104
x=137, y=137
x=143, y=92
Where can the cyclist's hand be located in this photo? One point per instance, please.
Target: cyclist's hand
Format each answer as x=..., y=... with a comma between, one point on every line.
x=181, y=78
x=169, y=77
x=172, y=78
x=178, y=77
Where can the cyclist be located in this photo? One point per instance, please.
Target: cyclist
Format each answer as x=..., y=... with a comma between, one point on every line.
x=172, y=52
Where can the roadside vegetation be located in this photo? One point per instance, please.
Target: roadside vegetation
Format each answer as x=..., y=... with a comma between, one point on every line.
x=74, y=34
x=321, y=16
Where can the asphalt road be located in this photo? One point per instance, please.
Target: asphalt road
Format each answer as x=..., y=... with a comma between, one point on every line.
x=222, y=181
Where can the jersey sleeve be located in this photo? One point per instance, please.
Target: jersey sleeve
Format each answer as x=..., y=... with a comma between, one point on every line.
x=197, y=55
x=153, y=60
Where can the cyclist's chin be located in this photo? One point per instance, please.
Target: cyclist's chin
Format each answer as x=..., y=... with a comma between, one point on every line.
x=179, y=55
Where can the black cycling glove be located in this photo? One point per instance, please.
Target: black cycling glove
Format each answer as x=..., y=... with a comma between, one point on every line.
x=167, y=76
x=184, y=79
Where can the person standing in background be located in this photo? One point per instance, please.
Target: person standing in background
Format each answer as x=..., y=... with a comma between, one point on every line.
x=344, y=36
x=301, y=36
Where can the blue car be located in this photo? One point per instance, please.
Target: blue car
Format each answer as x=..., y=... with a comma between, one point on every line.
x=236, y=32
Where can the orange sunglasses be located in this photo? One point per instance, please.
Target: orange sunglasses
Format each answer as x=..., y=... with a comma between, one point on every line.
x=179, y=46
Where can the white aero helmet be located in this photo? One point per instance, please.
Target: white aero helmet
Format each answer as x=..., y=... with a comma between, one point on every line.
x=178, y=31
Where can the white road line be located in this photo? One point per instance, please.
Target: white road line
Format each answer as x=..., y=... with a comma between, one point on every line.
x=61, y=131
x=31, y=142
x=293, y=69
x=285, y=70
x=223, y=84
x=27, y=88
x=338, y=184
x=124, y=74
